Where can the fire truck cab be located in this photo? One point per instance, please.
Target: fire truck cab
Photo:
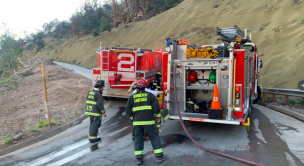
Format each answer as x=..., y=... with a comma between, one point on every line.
x=118, y=68
x=232, y=65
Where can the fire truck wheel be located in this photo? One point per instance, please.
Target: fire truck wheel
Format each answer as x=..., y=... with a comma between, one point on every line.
x=105, y=98
x=111, y=98
x=108, y=98
x=258, y=97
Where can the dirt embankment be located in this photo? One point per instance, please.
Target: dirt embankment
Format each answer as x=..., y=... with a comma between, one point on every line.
x=277, y=27
x=22, y=100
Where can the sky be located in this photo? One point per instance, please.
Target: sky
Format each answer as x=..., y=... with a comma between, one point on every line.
x=30, y=15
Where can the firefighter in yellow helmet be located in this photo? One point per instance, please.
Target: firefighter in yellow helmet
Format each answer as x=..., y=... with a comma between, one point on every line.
x=155, y=84
x=138, y=76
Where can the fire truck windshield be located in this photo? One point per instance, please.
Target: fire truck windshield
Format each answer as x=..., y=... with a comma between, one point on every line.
x=249, y=48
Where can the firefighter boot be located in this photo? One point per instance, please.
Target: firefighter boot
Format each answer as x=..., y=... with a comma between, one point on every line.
x=140, y=161
x=161, y=159
x=95, y=140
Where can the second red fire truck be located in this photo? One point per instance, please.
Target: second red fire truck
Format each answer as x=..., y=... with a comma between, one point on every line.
x=119, y=67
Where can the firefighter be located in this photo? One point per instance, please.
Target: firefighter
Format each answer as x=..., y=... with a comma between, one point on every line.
x=155, y=93
x=155, y=84
x=95, y=109
x=138, y=76
x=143, y=109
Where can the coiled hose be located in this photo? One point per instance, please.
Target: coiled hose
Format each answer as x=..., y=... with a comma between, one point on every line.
x=206, y=149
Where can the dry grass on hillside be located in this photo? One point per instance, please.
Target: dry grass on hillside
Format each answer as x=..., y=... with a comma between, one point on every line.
x=276, y=26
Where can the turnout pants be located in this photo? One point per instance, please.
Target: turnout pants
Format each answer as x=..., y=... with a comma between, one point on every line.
x=152, y=132
x=95, y=123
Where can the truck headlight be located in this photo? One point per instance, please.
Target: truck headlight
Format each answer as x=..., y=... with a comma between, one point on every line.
x=230, y=48
x=168, y=49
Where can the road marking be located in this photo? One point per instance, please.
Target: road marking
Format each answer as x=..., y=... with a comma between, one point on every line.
x=53, y=155
x=68, y=159
x=84, y=152
x=117, y=131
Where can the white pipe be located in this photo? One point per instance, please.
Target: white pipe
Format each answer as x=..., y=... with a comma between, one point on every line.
x=245, y=33
x=230, y=84
x=250, y=36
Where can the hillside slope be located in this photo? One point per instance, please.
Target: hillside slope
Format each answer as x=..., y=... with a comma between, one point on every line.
x=276, y=26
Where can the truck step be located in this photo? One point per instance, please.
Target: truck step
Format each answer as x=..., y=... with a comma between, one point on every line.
x=191, y=115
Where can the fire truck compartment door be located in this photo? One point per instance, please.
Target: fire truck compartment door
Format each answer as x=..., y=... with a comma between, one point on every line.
x=150, y=61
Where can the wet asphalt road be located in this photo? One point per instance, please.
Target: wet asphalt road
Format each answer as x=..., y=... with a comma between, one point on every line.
x=273, y=139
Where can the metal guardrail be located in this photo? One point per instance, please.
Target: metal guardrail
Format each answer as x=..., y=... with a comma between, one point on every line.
x=284, y=92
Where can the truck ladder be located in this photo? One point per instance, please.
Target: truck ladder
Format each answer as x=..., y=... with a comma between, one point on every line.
x=105, y=76
x=131, y=49
x=231, y=33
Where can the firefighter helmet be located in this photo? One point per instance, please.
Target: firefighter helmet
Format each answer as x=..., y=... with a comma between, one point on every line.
x=99, y=83
x=159, y=73
x=140, y=83
x=138, y=74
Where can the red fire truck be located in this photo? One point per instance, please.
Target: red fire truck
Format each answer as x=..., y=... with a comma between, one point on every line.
x=232, y=65
x=119, y=66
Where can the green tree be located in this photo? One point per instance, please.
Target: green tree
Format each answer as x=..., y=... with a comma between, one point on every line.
x=38, y=40
x=159, y=3
x=9, y=52
x=91, y=17
x=105, y=24
x=171, y=3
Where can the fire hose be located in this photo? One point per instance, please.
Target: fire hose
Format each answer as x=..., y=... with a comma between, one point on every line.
x=206, y=149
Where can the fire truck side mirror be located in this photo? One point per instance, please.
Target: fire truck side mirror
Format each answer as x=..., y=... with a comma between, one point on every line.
x=260, y=63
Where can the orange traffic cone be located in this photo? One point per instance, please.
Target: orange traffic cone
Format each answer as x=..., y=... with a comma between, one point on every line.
x=215, y=111
x=215, y=99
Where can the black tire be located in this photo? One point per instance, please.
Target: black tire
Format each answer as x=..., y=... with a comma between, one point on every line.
x=109, y=98
x=105, y=98
x=258, y=97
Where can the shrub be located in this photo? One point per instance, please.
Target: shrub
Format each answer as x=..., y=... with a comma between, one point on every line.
x=42, y=123
x=95, y=32
x=8, y=141
x=1, y=72
x=6, y=80
x=53, y=122
x=33, y=131
x=29, y=47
